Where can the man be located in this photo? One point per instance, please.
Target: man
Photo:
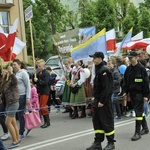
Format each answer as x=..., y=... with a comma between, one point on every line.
x=103, y=120
x=136, y=84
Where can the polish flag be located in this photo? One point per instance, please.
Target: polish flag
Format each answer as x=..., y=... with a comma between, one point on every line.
x=17, y=48
x=12, y=35
x=138, y=44
x=2, y=38
x=111, y=40
x=9, y=40
x=135, y=38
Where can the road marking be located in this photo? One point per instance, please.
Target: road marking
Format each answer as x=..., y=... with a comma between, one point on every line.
x=68, y=137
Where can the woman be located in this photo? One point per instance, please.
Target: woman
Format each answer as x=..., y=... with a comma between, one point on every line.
x=66, y=93
x=78, y=99
x=11, y=98
x=24, y=92
x=42, y=81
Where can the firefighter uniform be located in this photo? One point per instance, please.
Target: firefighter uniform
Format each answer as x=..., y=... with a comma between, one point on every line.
x=103, y=121
x=136, y=84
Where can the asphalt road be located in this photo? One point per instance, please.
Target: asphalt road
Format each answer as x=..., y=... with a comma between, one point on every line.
x=77, y=134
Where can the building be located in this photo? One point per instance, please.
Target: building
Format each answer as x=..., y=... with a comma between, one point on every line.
x=9, y=11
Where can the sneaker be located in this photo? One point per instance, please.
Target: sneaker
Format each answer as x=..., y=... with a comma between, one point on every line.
x=28, y=131
x=21, y=137
x=12, y=145
x=117, y=117
x=129, y=114
x=133, y=114
x=58, y=110
x=5, y=136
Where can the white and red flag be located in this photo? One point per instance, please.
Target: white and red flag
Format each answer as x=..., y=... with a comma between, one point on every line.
x=111, y=40
x=10, y=45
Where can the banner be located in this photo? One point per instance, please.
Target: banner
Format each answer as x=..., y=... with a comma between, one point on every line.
x=67, y=40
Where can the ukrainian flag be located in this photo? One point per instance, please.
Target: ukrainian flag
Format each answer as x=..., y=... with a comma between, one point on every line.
x=95, y=44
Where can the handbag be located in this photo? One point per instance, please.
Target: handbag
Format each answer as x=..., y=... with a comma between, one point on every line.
x=74, y=90
x=32, y=119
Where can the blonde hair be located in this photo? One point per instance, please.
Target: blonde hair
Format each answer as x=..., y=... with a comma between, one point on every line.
x=41, y=61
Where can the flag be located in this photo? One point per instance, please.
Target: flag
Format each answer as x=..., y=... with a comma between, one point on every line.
x=137, y=37
x=124, y=42
x=17, y=48
x=11, y=35
x=111, y=40
x=95, y=44
x=138, y=44
x=2, y=38
x=5, y=51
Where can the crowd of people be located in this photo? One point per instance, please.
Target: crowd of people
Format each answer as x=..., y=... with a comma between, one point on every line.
x=108, y=92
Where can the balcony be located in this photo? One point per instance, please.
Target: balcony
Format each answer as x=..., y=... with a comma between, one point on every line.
x=6, y=3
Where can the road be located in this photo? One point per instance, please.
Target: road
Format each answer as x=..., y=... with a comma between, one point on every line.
x=77, y=134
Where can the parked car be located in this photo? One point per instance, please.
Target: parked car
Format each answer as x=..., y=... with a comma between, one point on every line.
x=54, y=63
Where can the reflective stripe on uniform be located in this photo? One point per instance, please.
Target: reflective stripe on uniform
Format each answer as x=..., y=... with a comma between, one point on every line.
x=143, y=114
x=110, y=133
x=139, y=118
x=99, y=131
x=138, y=80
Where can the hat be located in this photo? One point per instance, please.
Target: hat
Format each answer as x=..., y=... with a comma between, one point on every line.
x=97, y=55
x=132, y=54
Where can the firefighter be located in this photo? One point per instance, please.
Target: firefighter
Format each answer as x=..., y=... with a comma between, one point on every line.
x=103, y=120
x=136, y=84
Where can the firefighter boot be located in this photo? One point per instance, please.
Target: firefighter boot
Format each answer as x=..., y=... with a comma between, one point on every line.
x=137, y=134
x=145, y=129
x=95, y=146
x=110, y=146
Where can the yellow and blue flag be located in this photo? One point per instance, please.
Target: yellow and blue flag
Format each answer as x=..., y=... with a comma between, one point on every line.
x=95, y=44
x=125, y=41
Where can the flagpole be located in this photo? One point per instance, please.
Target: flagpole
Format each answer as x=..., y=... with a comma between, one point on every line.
x=33, y=55
x=1, y=63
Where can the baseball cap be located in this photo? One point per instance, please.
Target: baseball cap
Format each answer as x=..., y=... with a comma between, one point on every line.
x=97, y=55
x=132, y=54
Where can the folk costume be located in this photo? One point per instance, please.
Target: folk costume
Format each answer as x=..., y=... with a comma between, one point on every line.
x=78, y=99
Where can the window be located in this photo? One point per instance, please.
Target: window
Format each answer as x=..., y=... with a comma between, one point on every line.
x=4, y=21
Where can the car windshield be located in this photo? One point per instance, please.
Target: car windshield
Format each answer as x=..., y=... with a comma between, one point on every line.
x=54, y=61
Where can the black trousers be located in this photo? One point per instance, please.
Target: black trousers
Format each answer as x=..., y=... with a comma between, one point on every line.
x=103, y=121
x=138, y=105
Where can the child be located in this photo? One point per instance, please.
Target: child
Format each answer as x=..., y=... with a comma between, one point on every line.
x=34, y=100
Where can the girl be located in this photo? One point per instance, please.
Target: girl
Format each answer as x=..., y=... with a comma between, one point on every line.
x=78, y=99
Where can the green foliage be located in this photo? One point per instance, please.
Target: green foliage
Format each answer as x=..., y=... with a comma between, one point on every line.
x=131, y=20
x=105, y=14
x=121, y=9
x=144, y=22
x=87, y=14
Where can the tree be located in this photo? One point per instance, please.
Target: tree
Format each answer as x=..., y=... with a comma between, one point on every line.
x=87, y=13
x=144, y=21
x=131, y=20
x=105, y=14
x=121, y=9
